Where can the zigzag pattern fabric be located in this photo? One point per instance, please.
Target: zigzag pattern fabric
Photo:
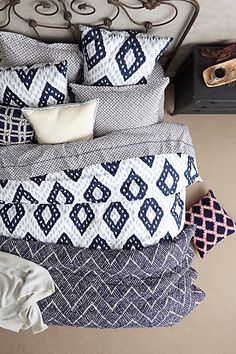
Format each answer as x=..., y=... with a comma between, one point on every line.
x=34, y=86
x=111, y=289
x=113, y=58
x=124, y=204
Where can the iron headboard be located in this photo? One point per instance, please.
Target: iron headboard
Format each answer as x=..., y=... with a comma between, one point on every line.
x=71, y=12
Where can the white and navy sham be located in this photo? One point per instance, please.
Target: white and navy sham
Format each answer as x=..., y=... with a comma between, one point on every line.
x=113, y=58
x=34, y=86
x=19, y=50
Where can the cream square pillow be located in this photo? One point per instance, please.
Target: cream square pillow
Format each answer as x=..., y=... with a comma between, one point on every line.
x=63, y=123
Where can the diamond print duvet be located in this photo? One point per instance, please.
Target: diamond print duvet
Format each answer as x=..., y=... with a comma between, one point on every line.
x=87, y=199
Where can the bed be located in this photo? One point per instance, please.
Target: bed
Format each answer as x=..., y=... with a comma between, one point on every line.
x=92, y=181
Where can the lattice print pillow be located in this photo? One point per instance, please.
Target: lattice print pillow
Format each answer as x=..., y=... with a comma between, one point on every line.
x=113, y=58
x=212, y=221
x=34, y=86
x=14, y=128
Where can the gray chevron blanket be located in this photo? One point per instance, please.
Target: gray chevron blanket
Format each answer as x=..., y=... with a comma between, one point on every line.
x=111, y=288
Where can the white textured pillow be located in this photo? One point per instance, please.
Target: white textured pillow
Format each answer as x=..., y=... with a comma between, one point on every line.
x=113, y=58
x=63, y=123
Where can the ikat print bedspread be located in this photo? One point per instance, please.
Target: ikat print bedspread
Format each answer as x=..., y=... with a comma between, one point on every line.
x=122, y=191
x=115, y=288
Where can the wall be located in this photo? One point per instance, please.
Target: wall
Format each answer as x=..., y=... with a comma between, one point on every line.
x=210, y=329
x=216, y=22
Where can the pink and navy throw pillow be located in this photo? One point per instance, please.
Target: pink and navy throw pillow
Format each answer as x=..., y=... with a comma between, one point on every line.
x=212, y=221
x=14, y=128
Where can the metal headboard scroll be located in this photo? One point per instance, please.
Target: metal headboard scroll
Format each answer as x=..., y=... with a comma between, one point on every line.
x=70, y=9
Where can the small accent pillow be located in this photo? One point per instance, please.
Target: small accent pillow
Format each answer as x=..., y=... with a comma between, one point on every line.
x=113, y=58
x=14, y=128
x=212, y=221
x=36, y=85
x=124, y=107
x=63, y=123
x=19, y=50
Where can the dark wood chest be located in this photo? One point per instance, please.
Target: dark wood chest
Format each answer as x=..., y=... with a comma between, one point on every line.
x=193, y=96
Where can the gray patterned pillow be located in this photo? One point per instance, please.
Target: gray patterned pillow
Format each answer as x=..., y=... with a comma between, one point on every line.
x=124, y=107
x=19, y=50
x=156, y=75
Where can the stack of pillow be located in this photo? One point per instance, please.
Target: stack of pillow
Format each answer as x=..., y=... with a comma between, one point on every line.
x=120, y=88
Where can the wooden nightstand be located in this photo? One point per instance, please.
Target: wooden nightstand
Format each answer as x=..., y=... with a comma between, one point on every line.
x=192, y=96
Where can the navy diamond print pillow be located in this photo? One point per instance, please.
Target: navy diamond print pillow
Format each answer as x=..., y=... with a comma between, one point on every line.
x=212, y=221
x=14, y=128
x=113, y=58
x=34, y=86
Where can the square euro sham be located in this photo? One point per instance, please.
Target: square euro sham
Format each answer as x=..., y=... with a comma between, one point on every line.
x=14, y=128
x=156, y=75
x=19, y=50
x=113, y=58
x=124, y=107
x=38, y=85
x=63, y=123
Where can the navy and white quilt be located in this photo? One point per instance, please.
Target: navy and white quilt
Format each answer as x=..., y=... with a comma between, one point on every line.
x=115, y=288
x=126, y=203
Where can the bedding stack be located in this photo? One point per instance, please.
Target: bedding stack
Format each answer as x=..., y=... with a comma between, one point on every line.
x=93, y=191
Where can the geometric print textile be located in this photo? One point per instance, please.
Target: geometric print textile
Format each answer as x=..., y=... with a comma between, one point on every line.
x=14, y=128
x=126, y=204
x=34, y=86
x=113, y=58
x=153, y=287
x=212, y=222
x=123, y=107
